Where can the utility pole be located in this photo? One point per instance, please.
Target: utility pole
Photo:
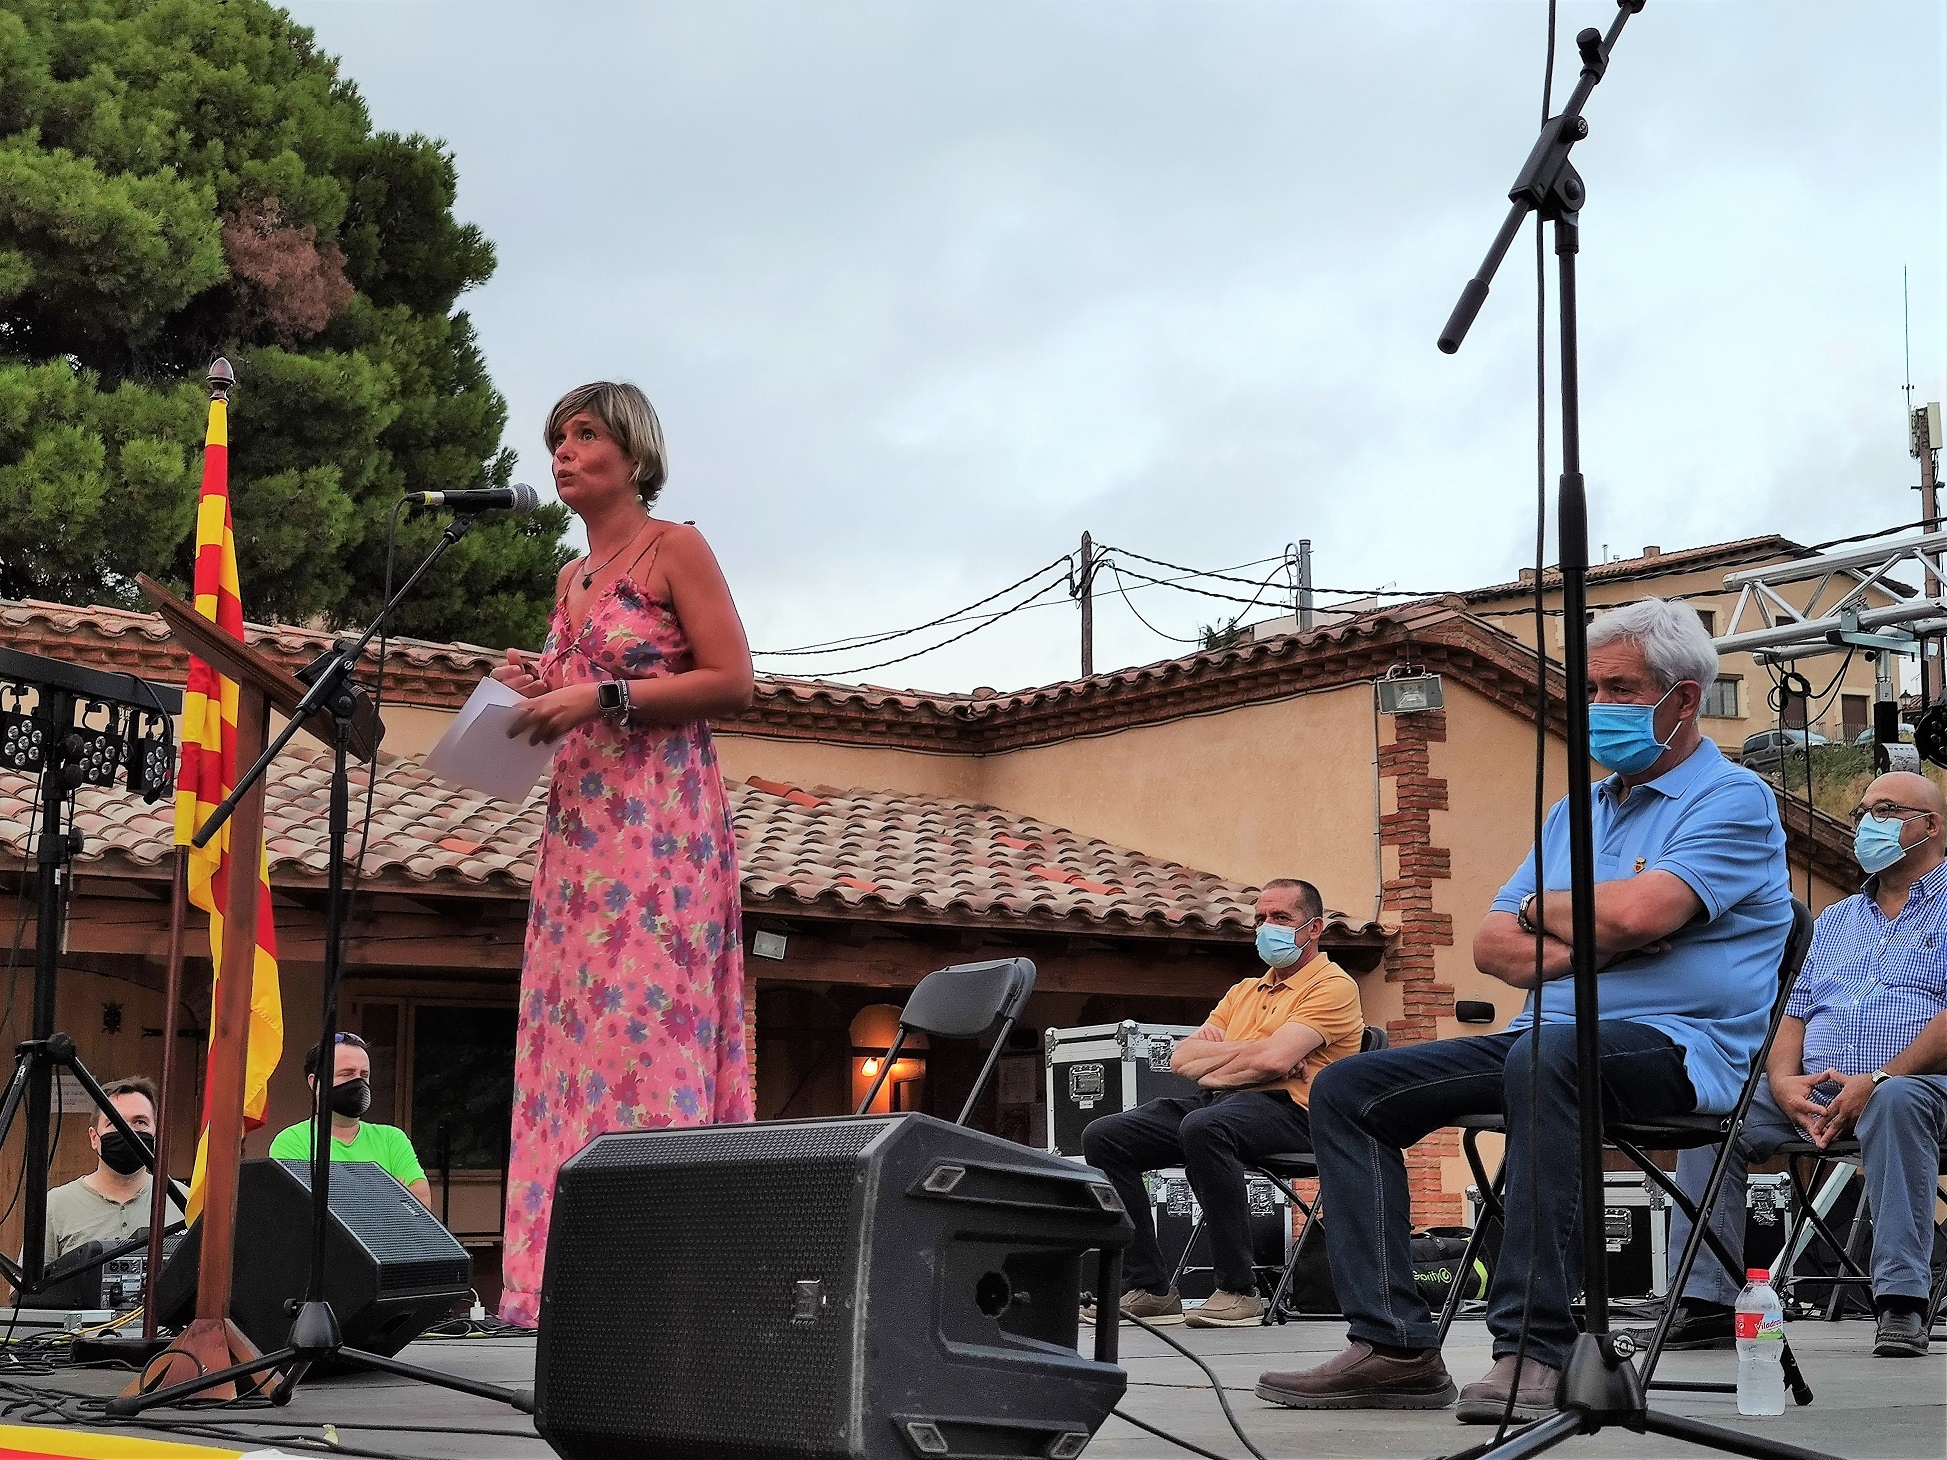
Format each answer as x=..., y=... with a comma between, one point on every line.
x=1923, y=425
x=1088, y=605
x=1304, y=585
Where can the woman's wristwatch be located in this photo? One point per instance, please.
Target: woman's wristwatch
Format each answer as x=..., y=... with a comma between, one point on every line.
x=612, y=699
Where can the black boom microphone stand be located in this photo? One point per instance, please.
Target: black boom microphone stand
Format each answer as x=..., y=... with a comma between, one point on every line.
x=1600, y=1387
x=315, y=1334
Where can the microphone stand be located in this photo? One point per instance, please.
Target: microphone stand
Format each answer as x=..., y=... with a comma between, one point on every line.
x=1599, y=1387
x=315, y=1335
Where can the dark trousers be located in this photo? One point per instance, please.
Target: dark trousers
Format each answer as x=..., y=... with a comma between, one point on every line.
x=1368, y=1108
x=1211, y=1137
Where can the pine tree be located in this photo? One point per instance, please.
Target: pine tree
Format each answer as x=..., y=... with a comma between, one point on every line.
x=180, y=179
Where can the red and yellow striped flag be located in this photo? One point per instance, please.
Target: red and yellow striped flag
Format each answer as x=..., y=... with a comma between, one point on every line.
x=209, y=772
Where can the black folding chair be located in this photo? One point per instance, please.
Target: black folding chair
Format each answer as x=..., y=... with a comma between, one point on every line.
x=962, y=1002
x=1850, y=1252
x=1635, y=1139
x=1281, y=1170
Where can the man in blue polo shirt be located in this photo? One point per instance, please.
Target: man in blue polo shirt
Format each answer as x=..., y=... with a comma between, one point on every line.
x=1862, y=1050
x=1692, y=911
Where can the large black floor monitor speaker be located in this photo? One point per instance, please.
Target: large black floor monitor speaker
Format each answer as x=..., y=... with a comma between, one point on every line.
x=866, y=1288
x=390, y=1268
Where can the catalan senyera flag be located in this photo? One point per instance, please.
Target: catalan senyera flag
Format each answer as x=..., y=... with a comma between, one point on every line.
x=209, y=772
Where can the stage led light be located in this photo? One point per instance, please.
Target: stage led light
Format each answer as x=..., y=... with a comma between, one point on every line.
x=23, y=740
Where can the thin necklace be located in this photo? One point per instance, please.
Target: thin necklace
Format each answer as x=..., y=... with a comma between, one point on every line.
x=588, y=578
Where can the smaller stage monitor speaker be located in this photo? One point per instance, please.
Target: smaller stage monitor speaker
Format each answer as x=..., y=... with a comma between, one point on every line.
x=391, y=1269
x=864, y=1288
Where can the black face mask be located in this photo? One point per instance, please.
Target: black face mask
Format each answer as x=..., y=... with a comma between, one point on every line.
x=119, y=1155
x=351, y=1098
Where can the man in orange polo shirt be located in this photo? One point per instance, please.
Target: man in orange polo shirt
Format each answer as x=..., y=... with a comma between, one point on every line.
x=1254, y=1058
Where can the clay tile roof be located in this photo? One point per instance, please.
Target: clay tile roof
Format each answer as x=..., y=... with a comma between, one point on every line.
x=913, y=855
x=417, y=671
x=1677, y=560
x=900, y=857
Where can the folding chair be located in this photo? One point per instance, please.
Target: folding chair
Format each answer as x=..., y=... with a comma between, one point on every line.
x=1634, y=1140
x=1850, y=1252
x=962, y=1002
x=1281, y=1169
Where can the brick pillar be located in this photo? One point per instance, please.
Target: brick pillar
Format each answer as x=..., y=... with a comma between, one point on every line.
x=1408, y=829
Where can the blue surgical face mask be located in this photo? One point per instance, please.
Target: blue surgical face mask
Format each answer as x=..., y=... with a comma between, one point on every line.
x=1877, y=842
x=1279, y=946
x=1623, y=737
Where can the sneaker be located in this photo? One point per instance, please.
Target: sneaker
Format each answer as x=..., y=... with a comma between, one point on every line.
x=1359, y=1378
x=1900, y=1335
x=1227, y=1310
x=1160, y=1309
x=1484, y=1403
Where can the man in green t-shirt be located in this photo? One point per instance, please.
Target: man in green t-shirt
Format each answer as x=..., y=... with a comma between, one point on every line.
x=353, y=1139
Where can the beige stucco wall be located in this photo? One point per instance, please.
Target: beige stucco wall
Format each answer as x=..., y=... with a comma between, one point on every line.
x=849, y=767
x=1488, y=763
x=1273, y=790
x=1754, y=680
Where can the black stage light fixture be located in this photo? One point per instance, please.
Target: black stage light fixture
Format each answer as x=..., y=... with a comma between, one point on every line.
x=23, y=739
x=1930, y=735
x=96, y=744
x=151, y=755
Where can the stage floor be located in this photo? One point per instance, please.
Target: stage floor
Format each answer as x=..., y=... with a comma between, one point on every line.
x=1866, y=1409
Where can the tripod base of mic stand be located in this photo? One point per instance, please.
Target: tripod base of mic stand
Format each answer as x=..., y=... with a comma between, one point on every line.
x=315, y=1339
x=208, y=1347
x=1600, y=1388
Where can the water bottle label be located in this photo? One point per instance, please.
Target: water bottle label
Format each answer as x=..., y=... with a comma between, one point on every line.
x=1766, y=1326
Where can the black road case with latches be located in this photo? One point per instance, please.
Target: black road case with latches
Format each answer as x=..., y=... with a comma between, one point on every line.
x=1099, y=1069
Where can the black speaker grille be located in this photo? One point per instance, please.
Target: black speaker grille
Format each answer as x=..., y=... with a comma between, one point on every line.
x=412, y=1250
x=696, y=1250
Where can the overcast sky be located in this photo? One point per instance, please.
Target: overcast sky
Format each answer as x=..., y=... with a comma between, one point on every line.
x=924, y=290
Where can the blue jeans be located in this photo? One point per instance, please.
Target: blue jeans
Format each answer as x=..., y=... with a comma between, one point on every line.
x=1368, y=1108
x=1900, y=1139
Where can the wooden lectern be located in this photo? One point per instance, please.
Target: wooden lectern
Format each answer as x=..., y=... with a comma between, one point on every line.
x=212, y=1341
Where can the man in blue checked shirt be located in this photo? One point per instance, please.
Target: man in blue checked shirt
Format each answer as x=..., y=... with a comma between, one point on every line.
x=1862, y=1051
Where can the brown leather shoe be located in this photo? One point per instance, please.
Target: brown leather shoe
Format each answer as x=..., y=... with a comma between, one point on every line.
x=1484, y=1403
x=1362, y=1379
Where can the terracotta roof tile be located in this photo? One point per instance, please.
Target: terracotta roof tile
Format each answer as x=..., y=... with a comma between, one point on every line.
x=1677, y=560
x=910, y=857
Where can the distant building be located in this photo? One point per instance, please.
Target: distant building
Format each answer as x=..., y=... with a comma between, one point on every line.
x=1738, y=705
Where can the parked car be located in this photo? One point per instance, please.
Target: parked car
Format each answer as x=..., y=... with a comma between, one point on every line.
x=1865, y=737
x=1766, y=752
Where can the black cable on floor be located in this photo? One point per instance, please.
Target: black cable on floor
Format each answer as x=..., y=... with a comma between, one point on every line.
x=1161, y=1434
x=1216, y=1384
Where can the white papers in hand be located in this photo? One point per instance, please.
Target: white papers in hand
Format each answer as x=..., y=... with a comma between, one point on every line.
x=475, y=752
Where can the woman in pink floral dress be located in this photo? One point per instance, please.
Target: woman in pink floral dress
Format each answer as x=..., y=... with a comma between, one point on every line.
x=632, y=987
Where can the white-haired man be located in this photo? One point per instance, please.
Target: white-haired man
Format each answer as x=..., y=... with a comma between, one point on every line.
x=1692, y=910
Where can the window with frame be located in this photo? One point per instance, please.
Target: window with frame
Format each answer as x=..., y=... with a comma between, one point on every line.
x=1721, y=698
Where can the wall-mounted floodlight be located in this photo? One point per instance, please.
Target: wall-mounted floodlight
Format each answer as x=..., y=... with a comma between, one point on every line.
x=1408, y=689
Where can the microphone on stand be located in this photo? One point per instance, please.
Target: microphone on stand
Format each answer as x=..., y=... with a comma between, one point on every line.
x=518, y=498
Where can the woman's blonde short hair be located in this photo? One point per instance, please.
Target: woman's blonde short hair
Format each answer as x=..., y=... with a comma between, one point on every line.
x=626, y=414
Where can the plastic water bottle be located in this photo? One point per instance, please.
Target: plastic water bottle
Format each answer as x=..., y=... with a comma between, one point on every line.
x=1760, y=1346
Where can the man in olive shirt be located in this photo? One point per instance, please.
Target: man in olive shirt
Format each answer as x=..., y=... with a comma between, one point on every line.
x=1255, y=1058
x=111, y=1203
x=353, y=1139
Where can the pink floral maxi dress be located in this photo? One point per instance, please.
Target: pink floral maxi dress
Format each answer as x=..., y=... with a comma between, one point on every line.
x=632, y=984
